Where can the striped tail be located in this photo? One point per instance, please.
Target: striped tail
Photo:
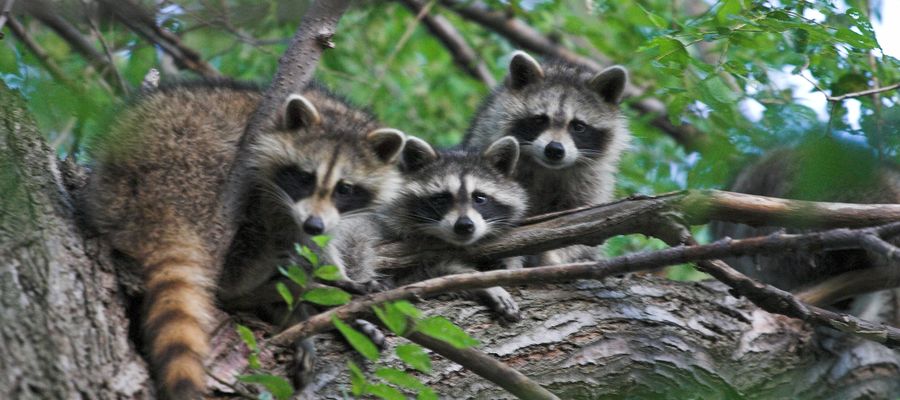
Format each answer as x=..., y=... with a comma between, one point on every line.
x=177, y=307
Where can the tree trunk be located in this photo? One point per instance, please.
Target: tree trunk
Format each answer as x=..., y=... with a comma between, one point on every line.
x=64, y=321
x=63, y=324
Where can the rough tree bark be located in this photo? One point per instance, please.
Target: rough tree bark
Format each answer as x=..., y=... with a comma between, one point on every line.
x=65, y=328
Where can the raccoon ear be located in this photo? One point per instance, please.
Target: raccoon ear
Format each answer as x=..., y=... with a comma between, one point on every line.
x=503, y=154
x=387, y=143
x=297, y=113
x=523, y=71
x=417, y=153
x=610, y=83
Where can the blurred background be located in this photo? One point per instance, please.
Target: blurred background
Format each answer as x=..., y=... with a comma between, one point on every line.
x=716, y=83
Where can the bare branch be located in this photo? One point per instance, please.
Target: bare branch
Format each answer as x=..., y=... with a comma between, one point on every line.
x=463, y=54
x=487, y=367
x=833, y=239
x=43, y=11
x=528, y=38
x=22, y=35
x=863, y=93
x=106, y=50
x=139, y=20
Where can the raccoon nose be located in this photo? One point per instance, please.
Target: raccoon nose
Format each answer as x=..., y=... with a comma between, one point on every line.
x=555, y=151
x=314, y=226
x=464, y=226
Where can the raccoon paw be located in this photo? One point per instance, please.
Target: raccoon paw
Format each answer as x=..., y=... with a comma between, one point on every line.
x=372, y=331
x=501, y=302
x=302, y=367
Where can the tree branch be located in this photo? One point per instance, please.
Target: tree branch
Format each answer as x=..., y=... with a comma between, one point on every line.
x=528, y=38
x=22, y=35
x=4, y=14
x=849, y=284
x=486, y=367
x=463, y=55
x=296, y=66
x=785, y=304
x=594, y=224
x=139, y=20
x=863, y=93
x=43, y=11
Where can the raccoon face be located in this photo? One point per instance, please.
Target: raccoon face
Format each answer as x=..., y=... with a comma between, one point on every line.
x=562, y=116
x=458, y=197
x=315, y=169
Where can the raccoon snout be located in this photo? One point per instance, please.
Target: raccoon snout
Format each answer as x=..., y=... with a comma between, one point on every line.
x=464, y=226
x=554, y=151
x=314, y=226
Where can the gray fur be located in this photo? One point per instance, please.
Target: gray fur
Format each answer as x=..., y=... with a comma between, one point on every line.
x=426, y=173
x=565, y=94
x=779, y=174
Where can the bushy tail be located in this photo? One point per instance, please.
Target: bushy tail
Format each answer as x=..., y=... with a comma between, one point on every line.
x=177, y=307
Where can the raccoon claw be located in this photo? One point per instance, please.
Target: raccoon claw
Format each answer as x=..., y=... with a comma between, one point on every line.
x=302, y=368
x=502, y=303
x=372, y=331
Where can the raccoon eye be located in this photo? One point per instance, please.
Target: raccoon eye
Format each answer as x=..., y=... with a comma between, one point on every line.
x=577, y=126
x=344, y=188
x=441, y=199
x=479, y=198
x=295, y=182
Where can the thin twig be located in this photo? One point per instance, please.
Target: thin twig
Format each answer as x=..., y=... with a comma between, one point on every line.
x=139, y=20
x=106, y=50
x=4, y=14
x=463, y=54
x=880, y=248
x=410, y=28
x=833, y=239
x=522, y=35
x=486, y=367
x=864, y=92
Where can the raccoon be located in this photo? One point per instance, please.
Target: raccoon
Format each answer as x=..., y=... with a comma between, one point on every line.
x=852, y=176
x=455, y=197
x=571, y=134
x=158, y=183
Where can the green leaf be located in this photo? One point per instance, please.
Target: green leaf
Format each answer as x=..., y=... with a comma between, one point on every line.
x=357, y=379
x=321, y=240
x=326, y=296
x=427, y=394
x=295, y=274
x=654, y=19
x=247, y=337
x=385, y=392
x=280, y=388
x=854, y=39
x=285, y=294
x=714, y=91
x=399, y=378
x=442, y=329
x=407, y=308
x=253, y=361
x=392, y=317
x=357, y=339
x=413, y=355
x=308, y=254
x=727, y=9
x=328, y=273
